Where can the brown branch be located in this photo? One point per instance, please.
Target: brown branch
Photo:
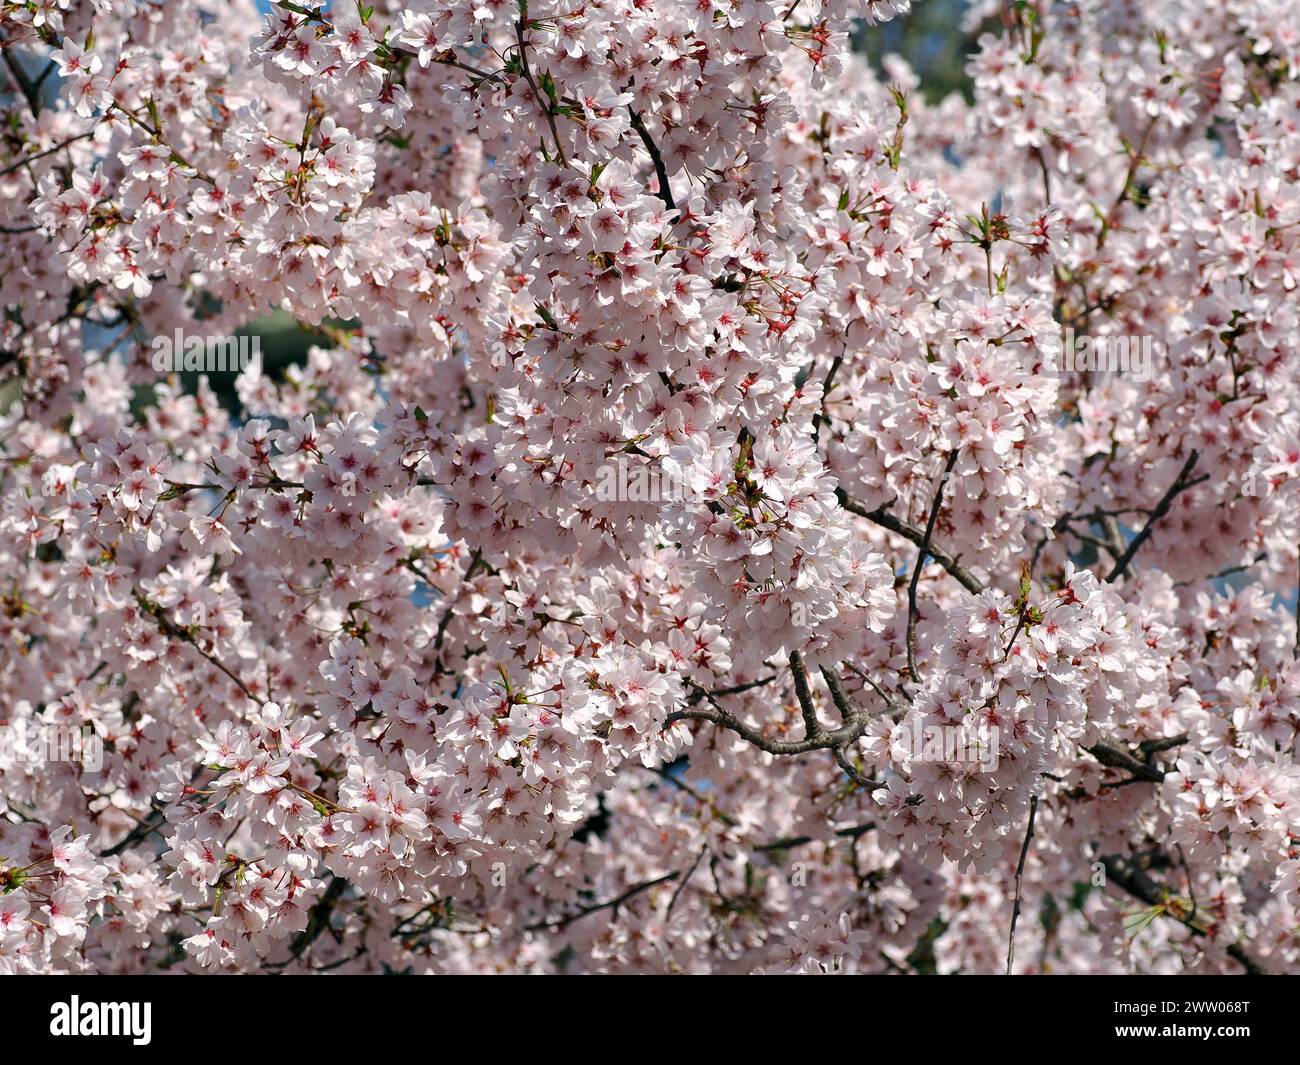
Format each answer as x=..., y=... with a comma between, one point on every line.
x=169, y=628
x=854, y=773
x=790, y=842
x=1133, y=879
x=854, y=720
x=661, y=172
x=848, y=712
x=812, y=727
x=43, y=153
x=1181, y=483
x=25, y=84
x=143, y=830
x=908, y=531
x=556, y=924
x=684, y=881
x=1165, y=743
x=1020, y=869
x=1136, y=159
x=922, y=553
x=1114, y=756
x=735, y=689
x=546, y=107
x=787, y=843
x=704, y=800
x=718, y=716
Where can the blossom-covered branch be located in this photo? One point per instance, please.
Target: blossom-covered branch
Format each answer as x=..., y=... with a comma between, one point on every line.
x=721, y=508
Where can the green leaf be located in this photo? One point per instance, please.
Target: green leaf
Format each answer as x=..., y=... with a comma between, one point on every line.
x=548, y=87
x=1137, y=921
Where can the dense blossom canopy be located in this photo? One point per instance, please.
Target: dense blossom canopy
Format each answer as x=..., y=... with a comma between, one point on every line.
x=384, y=682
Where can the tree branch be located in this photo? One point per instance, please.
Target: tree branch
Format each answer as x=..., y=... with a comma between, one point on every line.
x=812, y=727
x=661, y=172
x=42, y=154
x=790, y=842
x=716, y=715
x=922, y=554
x=1020, y=869
x=735, y=689
x=25, y=84
x=545, y=105
x=905, y=529
x=685, y=880
x=1125, y=873
x=169, y=628
x=557, y=923
x=1112, y=755
x=1181, y=483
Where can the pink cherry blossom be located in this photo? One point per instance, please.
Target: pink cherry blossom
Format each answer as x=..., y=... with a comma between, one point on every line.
x=686, y=543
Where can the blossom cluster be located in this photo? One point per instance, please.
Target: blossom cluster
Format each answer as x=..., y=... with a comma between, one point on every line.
x=384, y=683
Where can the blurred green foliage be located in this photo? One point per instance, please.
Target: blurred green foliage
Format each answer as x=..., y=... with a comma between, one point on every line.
x=930, y=38
x=284, y=342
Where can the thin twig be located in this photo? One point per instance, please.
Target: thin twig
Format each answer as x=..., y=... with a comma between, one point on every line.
x=790, y=842
x=554, y=924
x=685, y=879
x=169, y=628
x=43, y=153
x=547, y=110
x=855, y=774
x=908, y=531
x=922, y=554
x=734, y=689
x=1159, y=511
x=704, y=800
x=1020, y=869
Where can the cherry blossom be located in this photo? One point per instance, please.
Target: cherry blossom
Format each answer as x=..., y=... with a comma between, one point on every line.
x=384, y=681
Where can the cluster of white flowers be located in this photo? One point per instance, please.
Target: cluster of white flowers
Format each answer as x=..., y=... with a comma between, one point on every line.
x=382, y=680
